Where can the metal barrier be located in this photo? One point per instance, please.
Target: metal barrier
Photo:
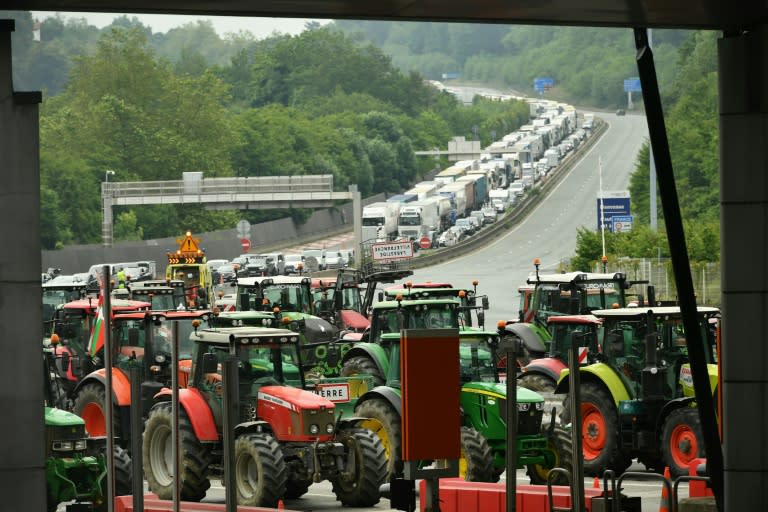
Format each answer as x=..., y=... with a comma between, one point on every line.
x=550, y=500
x=642, y=476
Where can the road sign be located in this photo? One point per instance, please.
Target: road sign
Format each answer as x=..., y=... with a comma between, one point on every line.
x=244, y=229
x=387, y=251
x=622, y=223
x=245, y=244
x=613, y=203
x=632, y=84
x=543, y=84
x=425, y=242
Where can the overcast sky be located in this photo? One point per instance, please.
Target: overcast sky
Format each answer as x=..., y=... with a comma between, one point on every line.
x=259, y=27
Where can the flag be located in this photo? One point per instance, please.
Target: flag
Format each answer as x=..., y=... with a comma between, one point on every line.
x=98, y=332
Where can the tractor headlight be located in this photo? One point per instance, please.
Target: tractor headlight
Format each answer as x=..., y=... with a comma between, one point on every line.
x=159, y=358
x=62, y=446
x=523, y=407
x=329, y=428
x=314, y=429
x=81, y=445
x=539, y=406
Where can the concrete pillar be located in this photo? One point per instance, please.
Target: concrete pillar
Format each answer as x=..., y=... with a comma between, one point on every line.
x=107, y=222
x=743, y=77
x=22, y=435
x=357, y=216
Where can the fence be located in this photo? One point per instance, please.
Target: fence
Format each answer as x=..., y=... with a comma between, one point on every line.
x=706, y=277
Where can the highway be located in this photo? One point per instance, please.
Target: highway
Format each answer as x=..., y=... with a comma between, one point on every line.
x=549, y=231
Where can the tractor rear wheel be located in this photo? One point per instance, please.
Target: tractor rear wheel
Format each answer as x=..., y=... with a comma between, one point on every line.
x=384, y=422
x=476, y=462
x=682, y=440
x=157, y=456
x=536, y=382
x=560, y=455
x=260, y=472
x=90, y=405
x=362, y=365
x=360, y=488
x=600, y=432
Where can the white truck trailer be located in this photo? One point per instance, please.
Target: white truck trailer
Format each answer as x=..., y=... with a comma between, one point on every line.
x=380, y=220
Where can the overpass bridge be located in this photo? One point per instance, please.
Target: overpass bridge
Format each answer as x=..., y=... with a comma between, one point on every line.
x=248, y=193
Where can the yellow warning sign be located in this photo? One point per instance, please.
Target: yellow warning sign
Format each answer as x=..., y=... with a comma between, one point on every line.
x=188, y=244
x=188, y=252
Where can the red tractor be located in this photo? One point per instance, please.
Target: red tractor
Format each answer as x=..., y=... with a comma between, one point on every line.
x=140, y=339
x=286, y=438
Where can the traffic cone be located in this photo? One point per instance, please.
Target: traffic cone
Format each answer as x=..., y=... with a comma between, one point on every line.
x=596, y=483
x=664, y=503
x=280, y=505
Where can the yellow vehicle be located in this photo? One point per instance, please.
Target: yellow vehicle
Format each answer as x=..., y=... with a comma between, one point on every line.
x=189, y=264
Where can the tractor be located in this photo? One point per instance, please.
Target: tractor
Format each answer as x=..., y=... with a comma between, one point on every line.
x=483, y=398
x=636, y=400
x=286, y=438
x=163, y=295
x=575, y=293
x=142, y=339
x=75, y=465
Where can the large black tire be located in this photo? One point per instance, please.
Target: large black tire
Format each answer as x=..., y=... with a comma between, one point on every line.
x=476, y=462
x=361, y=489
x=158, y=460
x=600, y=432
x=362, y=365
x=560, y=456
x=536, y=382
x=681, y=440
x=90, y=405
x=123, y=473
x=385, y=424
x=260, y=472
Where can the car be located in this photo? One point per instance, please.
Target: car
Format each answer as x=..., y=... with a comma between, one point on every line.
x=334, y=259
x=225, y=273
x=293, y=262
x=318, y=255
x=466, y=225
x=620, y=112
x=214, y=264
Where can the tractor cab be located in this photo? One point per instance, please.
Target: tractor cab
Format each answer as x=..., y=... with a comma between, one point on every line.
x=289, y=293
x=466, y=297
x=163, y=295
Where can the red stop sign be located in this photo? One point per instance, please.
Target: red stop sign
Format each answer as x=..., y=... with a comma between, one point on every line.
x=245, y=244
x=425, y=242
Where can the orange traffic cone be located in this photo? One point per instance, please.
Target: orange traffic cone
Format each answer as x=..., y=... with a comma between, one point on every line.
x=280, y=505
x=664, y=503
x=596, y=483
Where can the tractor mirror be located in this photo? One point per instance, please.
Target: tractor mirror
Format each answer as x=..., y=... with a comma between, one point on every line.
x=210, y=363
x=65, y=362
x=486, y=305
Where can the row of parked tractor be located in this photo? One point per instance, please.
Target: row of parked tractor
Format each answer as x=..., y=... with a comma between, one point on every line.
x=319, y=393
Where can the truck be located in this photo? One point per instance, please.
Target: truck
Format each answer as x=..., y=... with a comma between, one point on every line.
x=380, y=220
x=450, y=174
x=553, y=157
x=500, y=198
x=403, y=198
x=479, y=189
x=445, y=211
x=417, y=219
x=423, y=190
x=457, y=193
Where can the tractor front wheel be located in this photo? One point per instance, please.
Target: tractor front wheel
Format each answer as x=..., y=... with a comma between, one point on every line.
x=384, y=422
x=600, y=432
x=559, y=455
x=682, y=440
x=476, y=462
x=157, y=456
x=358, y=486
x=90, y=405
x=260, y=472
x=362, y=365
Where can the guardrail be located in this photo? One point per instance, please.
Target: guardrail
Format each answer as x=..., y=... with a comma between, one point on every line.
x=434, y=256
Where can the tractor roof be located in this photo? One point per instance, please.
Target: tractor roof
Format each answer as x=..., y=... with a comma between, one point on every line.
x=574, y=319
x=117, y=305
x=659, y=311
x=272, y=280
x=393, y=304
x=168, y=315
x=245, y=335
x=577, y=277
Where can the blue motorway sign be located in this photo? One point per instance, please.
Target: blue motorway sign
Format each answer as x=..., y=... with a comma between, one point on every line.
x=612, y=204
x=543, y=84
x=632, y=84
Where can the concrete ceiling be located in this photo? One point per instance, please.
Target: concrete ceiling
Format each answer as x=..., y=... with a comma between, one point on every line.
x=707, y=14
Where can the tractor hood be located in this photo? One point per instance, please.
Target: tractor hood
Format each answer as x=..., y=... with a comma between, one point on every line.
x=316, y=329
x=292, y=398
x=61, y=418
x=500, y=391
x=351, y=319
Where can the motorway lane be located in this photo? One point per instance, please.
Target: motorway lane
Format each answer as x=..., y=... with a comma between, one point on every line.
x=549, y=231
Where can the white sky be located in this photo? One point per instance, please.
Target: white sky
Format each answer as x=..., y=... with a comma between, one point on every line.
x=259, y=27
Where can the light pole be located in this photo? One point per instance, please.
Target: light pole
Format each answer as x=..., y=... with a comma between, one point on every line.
x=107, y=174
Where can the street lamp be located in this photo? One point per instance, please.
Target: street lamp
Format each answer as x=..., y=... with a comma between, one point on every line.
x=107, y=174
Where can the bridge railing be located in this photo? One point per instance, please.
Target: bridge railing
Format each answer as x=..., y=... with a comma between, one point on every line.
x=204, y=186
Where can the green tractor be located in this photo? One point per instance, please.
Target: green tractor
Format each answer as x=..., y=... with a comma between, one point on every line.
x=483, y=397
x=637, y=401
x=75, y=466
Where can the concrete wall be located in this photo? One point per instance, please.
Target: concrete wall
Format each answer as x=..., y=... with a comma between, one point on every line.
x=265, y=237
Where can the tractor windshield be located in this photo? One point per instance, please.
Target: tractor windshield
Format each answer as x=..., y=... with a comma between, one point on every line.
x=289, y=297
x=476, y=359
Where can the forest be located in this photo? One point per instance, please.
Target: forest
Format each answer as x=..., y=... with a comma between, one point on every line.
x=348, y=99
